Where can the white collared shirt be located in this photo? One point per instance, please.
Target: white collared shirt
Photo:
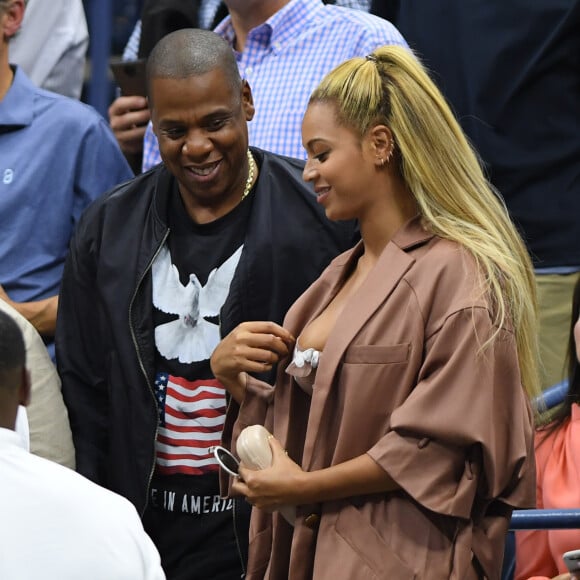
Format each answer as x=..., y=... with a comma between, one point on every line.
x=57, y=525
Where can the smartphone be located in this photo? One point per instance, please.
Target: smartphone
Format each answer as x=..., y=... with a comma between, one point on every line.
x=226, y=460
x=130, y=76
x=572, y=561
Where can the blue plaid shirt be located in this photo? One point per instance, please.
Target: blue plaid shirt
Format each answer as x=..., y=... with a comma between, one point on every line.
x=285, y=58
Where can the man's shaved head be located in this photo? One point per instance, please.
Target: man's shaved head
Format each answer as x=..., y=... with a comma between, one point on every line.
x=191, y=52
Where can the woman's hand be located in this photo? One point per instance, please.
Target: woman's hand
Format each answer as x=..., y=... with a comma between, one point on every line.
x=252, y=347
x=275, y=486
x=286, y=483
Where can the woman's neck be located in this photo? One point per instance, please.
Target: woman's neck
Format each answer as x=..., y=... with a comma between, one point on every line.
x=378, y=227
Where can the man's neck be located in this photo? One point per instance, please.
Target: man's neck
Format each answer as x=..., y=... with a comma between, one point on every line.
x=8, y=412
x=248, y=15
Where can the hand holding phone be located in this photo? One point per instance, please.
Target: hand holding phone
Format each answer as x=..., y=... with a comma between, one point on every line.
x=130, y=76
x=128, y=118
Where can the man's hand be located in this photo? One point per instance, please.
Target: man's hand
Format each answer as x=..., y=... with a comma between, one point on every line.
x=40, y=313
x=128, y=117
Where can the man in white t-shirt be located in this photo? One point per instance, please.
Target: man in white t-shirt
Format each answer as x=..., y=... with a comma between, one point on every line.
x=56, y=524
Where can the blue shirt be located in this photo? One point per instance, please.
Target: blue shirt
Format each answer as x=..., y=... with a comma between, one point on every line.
x=56, y=156
x=284, y=60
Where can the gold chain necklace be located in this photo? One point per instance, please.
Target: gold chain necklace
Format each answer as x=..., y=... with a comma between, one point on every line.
x=251, y=170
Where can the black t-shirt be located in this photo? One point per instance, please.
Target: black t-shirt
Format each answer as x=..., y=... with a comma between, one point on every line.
x=191, y=278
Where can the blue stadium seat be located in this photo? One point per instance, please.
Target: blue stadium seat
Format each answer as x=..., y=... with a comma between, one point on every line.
x=537, y=519
x=551, y=396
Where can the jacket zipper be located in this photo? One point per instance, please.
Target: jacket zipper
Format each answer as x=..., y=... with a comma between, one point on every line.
x=142, y=366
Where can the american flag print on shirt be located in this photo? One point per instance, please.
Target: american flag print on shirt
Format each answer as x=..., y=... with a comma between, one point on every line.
x=191, y=419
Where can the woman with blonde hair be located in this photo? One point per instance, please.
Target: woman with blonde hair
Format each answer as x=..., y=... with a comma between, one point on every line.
x=402, y=432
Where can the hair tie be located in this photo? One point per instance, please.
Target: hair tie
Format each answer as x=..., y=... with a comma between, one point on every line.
x=371, y=57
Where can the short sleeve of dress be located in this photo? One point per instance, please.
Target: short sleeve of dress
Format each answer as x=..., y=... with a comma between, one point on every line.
x=466, y=428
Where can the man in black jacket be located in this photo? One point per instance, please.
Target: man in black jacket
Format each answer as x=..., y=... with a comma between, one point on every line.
x=159, y=270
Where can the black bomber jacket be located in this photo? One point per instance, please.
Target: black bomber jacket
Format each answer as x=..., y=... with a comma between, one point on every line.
x=105, y=339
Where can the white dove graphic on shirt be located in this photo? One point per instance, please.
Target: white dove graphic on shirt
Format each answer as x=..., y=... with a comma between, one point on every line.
x=191, y=338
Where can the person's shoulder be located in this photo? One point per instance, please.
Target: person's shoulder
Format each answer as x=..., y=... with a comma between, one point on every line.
x=362, y=23
x=58, y=102
x=63, y=109
x=109, y=531
x=278, y=162
x=425, y=246
x=354, y=15
x=442, y=255
x=281, y=180
x=446, y=279
x=124, y=199
x=276, y=167
x=556, y=448
x=284, y=175
x=141, y=187
x=68, y=486
x=444, y=251
x=66, y=112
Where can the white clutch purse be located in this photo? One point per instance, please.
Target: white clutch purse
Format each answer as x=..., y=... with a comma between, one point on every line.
x=253, y=447
x=254, y=450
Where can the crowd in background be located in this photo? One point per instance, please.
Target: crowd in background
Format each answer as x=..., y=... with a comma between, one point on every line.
x=131, y=309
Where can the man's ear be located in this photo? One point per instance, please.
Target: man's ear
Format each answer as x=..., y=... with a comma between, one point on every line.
x=12, y=18
x=24, y=388
x=247, y=101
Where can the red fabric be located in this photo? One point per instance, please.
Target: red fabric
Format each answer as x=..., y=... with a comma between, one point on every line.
x=539, y=552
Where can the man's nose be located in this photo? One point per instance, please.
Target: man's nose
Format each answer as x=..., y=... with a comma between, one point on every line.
x=196, y=144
